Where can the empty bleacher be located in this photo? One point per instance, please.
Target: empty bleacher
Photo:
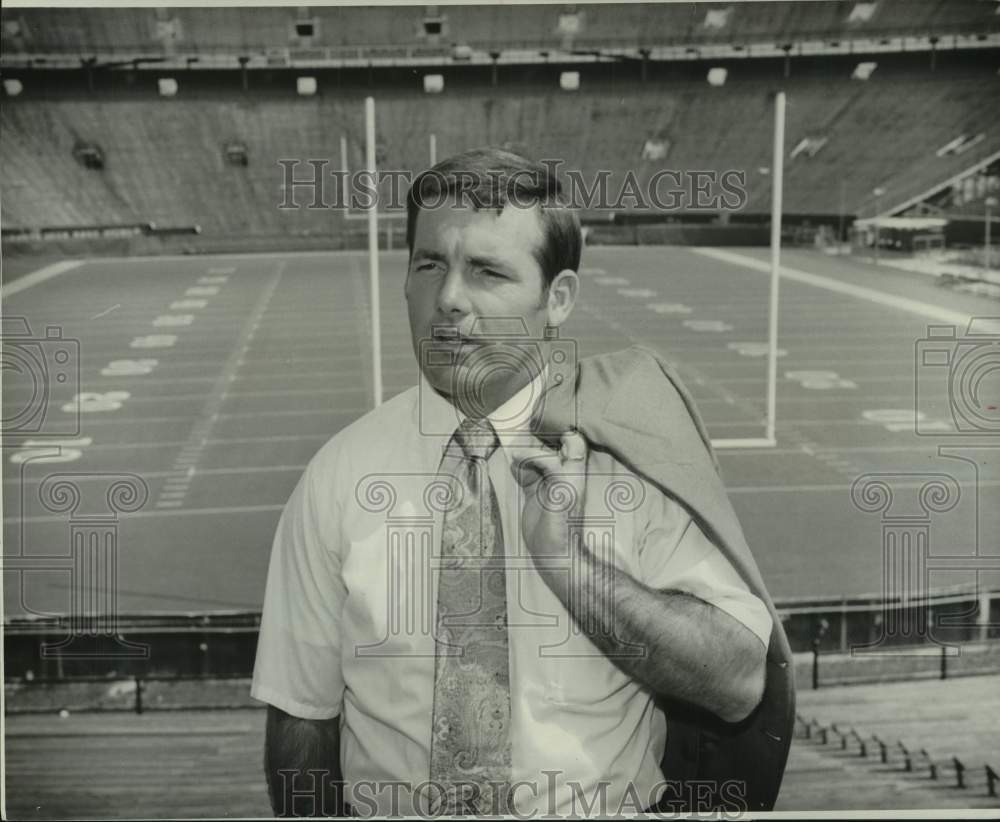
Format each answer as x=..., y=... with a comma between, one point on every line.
x=166, y=164
x=207, y=30
x=119, y=765
x=836, y=759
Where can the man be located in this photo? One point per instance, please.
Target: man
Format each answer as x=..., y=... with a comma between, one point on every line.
x=433, y=634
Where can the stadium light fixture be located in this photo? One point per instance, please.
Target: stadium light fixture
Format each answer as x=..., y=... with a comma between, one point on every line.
x=569, y=24
x=306, y=86
x=12, y=87
x=569, y=80
x=717, y=76
x=655, y=149
x=717, y=19
x=862, y=12
x=433, y=83
x=167, y=86
x=862, y=71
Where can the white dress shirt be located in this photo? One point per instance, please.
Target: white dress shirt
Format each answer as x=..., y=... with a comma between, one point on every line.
x=351, y=601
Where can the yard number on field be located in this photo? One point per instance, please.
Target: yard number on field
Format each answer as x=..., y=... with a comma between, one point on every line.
x=819, y=380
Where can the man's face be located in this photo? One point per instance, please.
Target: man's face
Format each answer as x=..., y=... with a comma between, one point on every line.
x=473, y=288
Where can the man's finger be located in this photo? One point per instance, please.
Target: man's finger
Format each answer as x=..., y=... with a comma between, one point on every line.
x=574, y=446
x=529, y=467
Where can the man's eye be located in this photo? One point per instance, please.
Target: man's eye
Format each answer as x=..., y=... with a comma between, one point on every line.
x=489, y=272
x=426, y=266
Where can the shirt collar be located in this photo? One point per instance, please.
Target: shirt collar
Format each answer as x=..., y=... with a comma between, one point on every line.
x=510, y=420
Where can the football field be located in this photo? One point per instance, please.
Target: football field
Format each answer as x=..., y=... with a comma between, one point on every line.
x=205, y=384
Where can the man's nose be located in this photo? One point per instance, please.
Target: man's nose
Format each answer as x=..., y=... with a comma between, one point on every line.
x=453, y=296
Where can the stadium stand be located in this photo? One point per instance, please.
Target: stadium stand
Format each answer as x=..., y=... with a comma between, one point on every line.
x=213, y=29
x=166, y=161
x=854, y=735
x=208, y=763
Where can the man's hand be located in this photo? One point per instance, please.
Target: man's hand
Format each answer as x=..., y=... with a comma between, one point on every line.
x=693, y=651
x=554, y=485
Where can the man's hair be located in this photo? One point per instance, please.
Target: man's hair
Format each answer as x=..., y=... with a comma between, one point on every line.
x=493, y=178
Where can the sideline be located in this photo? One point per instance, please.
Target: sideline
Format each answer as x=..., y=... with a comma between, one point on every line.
x=39, y=276
x=860, y=292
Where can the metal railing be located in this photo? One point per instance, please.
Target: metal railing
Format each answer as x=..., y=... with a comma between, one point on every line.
x=950, y=768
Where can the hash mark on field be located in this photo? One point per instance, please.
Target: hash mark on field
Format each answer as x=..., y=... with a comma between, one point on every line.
x=189, y=455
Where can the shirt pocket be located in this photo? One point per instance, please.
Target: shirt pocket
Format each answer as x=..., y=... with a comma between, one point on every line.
x=390, y=607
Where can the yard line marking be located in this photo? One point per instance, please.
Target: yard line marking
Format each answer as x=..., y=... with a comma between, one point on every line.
x=331, y=413
x=40, y=276
x=149, y=445
x=169, y=483
x=168, y=320
x=187, y=512
x=861, y=292
x=788, y=489
x=191, y=453
x=242, y=255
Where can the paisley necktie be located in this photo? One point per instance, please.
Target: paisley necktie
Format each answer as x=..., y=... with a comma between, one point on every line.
x=470, y=743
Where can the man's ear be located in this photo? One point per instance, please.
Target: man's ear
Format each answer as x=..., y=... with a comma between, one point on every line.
x=561, y=297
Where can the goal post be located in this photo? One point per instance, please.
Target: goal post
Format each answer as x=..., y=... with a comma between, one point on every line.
x=373, y=272
x=769, y=439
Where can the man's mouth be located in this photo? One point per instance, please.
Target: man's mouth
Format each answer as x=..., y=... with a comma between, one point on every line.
x=451, y=334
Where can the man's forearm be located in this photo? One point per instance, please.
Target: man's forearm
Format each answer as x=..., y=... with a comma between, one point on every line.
x=302, y=765
x=673, y=642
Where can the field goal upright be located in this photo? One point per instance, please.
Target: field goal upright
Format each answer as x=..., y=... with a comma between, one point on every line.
x=769, y=439
x=372, y=216
x=392, y=224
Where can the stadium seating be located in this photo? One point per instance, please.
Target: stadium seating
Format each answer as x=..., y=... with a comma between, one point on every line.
x=885, y=131
x=206, y=30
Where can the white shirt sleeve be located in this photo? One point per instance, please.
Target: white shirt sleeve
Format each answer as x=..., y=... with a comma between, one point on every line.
x=298, y=666
x=675, y=553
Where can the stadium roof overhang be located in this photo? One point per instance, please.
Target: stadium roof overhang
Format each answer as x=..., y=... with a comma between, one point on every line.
x=478, y=54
